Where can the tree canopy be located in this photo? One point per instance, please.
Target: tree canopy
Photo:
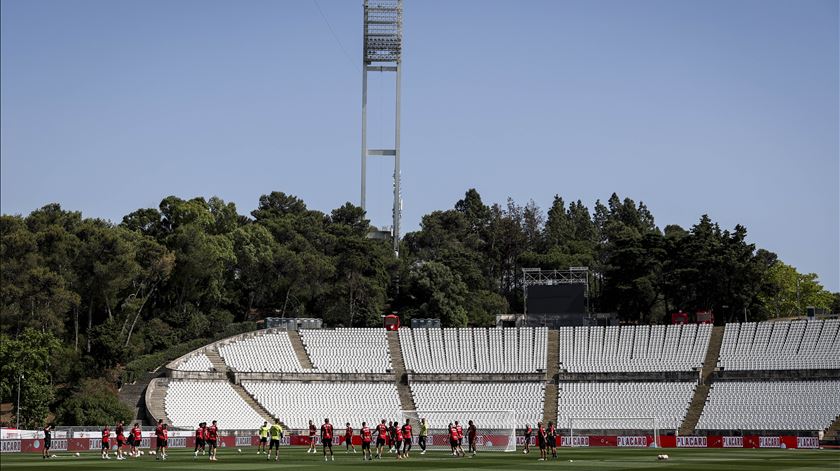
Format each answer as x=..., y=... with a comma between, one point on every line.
x=97, y=295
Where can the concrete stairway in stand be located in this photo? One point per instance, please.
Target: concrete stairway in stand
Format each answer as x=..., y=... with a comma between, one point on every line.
x=216, y=360
x=832, y=433
x=701, y=392
x=157, y=404
x=249, y=399
x=300, y=350
x=400, y=376
x=134, y=395
x=552, y=360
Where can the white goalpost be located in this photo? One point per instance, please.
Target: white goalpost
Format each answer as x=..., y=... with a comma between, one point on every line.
x=495, y=429
x=615, y=426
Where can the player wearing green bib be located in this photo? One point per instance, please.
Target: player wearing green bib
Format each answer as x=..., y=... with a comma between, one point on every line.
x=276, y=433
x=424, y=432
x=261, y=448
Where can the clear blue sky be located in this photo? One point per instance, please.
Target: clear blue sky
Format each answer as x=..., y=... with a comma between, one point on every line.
x=722, y=107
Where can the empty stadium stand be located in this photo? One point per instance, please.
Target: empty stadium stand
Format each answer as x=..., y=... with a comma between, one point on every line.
x=781, y=375
x=267, y=352
x=474, y=350
x=189, y=402
x=525, y=399
x=610, y=401
x=633, y=348
x=197, y=362
x=347, y=350
x=781, y=345
x=777, y=405
x=297, y=403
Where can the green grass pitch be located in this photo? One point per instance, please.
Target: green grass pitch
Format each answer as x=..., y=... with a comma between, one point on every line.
x=581, y=458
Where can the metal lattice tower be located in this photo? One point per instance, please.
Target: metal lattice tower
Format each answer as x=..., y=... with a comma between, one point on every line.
x=382, y=52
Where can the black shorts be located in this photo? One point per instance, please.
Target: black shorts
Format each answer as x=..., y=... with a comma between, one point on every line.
x=541, y=444
x=365, y=445
x=348, y=441
x=275, y=443
x=460, y=441
x=120, y=443
x=131, y=441
x=453, y=443
x=163, y=443
x=47, y=443
x=380, y=442
x=211, y=443
x=406, y=442
x=105, y=445
x=199, y=442
x=263, y=439
x=326, y=441
x=552, y=441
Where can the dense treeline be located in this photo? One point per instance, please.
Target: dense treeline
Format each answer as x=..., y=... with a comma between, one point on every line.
x=84, y=300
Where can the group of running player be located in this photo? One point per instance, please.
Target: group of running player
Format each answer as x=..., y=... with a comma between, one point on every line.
x=392, y=435
x=206, y=439
x=546, y=439
x=135, y=437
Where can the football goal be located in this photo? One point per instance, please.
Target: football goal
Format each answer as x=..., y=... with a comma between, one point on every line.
x=495, y=429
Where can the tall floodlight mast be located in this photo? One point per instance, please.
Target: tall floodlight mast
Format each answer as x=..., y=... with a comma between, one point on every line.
x=383, y=53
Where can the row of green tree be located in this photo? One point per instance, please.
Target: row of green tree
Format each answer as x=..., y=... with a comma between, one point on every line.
x=84, y=300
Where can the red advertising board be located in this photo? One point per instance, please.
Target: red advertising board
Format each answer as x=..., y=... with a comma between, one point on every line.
x=665, y=441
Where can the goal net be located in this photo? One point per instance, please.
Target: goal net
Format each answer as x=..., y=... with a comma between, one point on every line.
x=631, y=431
x=495, y=429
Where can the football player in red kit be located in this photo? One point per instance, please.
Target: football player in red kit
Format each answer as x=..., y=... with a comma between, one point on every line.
x=367, y=437
x=381, y=435
x=199, y=439
x=326, y=438
x=120, y=440
x=398, y=438
x=348, y=438
x=460, y=438
x=212, y=435
x=528, y=432
x=406, y=433
x=541, y=440
x=106, y=442
x=312, y=439
x=472, y=435
x=138, y=440
x=453, y=439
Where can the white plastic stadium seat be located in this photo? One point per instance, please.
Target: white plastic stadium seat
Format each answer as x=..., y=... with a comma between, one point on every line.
x=593, y=349
x=781, y=345
x=188, y=403
x=525, y=399
x=771, y=405
x=296, y=403
x=475, y=350
x=608, y=402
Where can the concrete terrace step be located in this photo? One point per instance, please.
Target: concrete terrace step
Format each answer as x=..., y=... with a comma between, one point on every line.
x=833, y=431
x=216, y=359
x=133, y=395
x=300, y=350
x=398, y=367
x=249, y=399
x=701, y=392
x=156, y=401
x=551, y=372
